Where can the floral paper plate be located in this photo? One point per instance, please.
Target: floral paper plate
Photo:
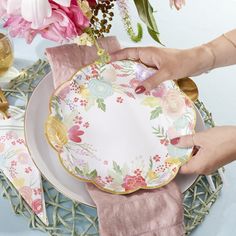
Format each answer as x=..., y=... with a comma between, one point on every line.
x=106, y=134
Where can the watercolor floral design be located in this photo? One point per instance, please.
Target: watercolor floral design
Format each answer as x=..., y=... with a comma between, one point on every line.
x=99, y=88
x=18, y=166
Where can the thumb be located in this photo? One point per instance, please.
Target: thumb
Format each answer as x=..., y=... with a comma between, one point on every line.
x=193, y=166
x=153, y=81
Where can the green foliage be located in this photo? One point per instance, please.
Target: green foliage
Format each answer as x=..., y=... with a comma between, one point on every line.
x=101, y=104
x=155, y=113
x=145, y=12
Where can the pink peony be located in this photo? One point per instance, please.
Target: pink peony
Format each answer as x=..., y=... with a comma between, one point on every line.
x=58, y=20
x=75, y=133
x=173, y=104
x=133, y=182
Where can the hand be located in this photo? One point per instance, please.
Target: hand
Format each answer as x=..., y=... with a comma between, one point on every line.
x=217, y=147
x=171, y=63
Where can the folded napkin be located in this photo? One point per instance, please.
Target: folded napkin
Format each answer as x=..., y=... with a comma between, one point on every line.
x=157, y=212
x=17, y=165
x=67, y=59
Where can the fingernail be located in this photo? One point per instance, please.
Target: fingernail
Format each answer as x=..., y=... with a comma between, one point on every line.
x=140, y=89
x=175, y=141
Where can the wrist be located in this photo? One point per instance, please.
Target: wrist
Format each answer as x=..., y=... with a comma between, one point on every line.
x=201, y=58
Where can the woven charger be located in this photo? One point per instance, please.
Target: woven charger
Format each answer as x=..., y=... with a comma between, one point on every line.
x=70, y=218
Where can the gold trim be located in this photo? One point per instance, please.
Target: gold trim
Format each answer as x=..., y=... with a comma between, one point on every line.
x=91, y=181
x=88, y=205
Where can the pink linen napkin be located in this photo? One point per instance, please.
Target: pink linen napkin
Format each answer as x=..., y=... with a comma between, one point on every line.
x=67, y=59
x=157, y=212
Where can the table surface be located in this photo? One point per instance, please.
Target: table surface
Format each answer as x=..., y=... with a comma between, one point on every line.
x=183, y=29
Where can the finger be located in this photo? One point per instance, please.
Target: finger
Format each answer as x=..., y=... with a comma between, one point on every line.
x=193, y=166
x=187, y=141
x=126, y=53
x=154, y=81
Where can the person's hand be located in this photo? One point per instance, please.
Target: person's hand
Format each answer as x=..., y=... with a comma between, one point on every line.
x=171, y=63
x=217, y=147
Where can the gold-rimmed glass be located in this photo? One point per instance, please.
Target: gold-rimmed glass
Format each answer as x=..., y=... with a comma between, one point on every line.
x=6, y=54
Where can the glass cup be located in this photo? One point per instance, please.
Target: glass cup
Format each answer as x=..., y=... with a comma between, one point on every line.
x=6, y=54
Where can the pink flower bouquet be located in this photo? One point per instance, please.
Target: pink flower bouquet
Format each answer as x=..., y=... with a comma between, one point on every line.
x=57, y=20
x=63, y=20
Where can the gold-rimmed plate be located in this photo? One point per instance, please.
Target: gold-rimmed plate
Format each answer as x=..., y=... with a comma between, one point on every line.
x=46, y=158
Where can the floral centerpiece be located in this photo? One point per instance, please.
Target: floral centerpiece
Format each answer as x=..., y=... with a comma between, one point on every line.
x=63, y=20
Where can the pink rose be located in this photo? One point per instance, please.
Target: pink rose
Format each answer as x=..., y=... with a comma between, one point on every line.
x=159, y=91
x=133, y=182
x=173, y=104
x=37, y=206
x=75, y=133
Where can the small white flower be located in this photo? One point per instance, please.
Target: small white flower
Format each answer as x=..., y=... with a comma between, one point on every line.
x=84, y=39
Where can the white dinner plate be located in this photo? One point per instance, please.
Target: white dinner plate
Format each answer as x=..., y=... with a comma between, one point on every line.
x=46, y=158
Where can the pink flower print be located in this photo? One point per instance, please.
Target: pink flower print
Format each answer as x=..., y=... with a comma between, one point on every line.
x=11, y=135
x=20, y=141
x=12, y=171
x=133, y=182
x=78, y=120
x=28, y=170
x=13, y=163
x=98, y=180
x=83, y=103
x=173, y=104
x=120, y=100
x=86, y=125
x=37, y=191
x=159, y=91
x=164, y=142
x=156, y=158
x=109, y=179
x=75, y=133
x=23, y=158
x=26, y=193
x=134, y=83
x=76, y=99
x=2, y=147
x=37, y=206
x=13, y=143
x=147, y=93
x=138, y=172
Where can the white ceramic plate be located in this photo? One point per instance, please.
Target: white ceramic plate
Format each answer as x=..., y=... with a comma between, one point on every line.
x=46, y=158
